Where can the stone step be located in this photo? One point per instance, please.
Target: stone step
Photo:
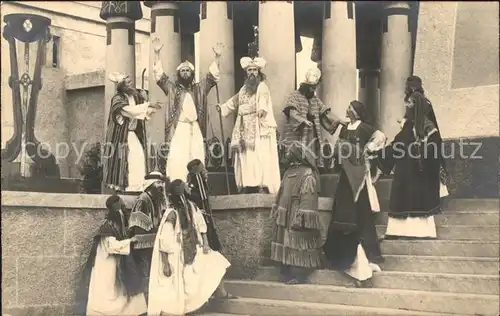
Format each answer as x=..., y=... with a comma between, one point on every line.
x=417, y=281
x=438, y=264
x=472, y=218
x=461, y=232
x=452, y=248
x=436, y=302
x=267, y=307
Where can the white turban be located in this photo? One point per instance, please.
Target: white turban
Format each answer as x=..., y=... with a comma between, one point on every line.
x=312, y=76
x=257, y=62
x=185, y=64
x=117, y=77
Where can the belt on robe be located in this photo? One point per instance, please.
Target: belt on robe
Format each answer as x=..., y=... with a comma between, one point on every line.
x=188, y=122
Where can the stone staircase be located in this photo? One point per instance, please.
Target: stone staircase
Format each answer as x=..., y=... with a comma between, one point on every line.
x=458, y=274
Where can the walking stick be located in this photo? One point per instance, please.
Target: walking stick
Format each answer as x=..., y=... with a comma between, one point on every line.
x=223, y=139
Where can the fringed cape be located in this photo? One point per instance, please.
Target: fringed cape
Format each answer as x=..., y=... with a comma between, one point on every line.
x=297, y=227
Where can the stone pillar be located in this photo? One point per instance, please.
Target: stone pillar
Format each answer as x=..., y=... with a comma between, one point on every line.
x=216, y=25
x=369, y=92
x=277, y=47
x=395, y=66
x=339, y=55
x=120, y=17
x=165, y=24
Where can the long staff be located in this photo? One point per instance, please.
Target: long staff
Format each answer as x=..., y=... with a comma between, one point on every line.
x=223, y=140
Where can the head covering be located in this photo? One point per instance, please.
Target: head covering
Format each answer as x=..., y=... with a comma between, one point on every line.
x=195, y=166
x=117, y=77
x=257, y=62
x=177, y=187
x=114, y=203
x=152, y=178
x=185, y=64
x=312, y=76
x=361, y=110
x=414, y=83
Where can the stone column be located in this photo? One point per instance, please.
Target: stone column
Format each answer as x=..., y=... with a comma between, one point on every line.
x=369, y=92
x=120, y=17
x=165, y=24
x=277, y=47
x=395, y=66
x=339, y=56
x=216, y=25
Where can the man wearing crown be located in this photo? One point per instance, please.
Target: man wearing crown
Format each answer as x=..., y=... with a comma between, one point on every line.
x=306, y=114
x=125, y=151
x=187, y=102
x=254, y=135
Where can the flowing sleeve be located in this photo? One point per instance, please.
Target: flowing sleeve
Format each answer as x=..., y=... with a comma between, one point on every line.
x=377, y=141
x=136, y=112
x=162, y=80
x=167, y=240
x=211, y=78
x=292, y=112
x=116, y=247
x=327, y=120
x=230, y=105
x=307, y=216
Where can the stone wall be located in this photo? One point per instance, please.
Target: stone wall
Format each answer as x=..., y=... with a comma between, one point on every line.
x=44, y=237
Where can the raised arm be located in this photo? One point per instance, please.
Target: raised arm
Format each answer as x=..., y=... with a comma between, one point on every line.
x=213, y=75
x=161, y=78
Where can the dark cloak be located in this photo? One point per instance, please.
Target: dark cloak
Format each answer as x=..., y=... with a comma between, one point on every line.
x=353, y=222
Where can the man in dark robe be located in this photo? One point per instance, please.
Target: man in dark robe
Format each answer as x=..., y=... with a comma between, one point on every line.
x=104, y=288
x=197, y=182
x=124, y=155
x=416, y=157
x=306, y=114
x=144, y=222
x=186, y=106
x=296, y=241
x=352, y=243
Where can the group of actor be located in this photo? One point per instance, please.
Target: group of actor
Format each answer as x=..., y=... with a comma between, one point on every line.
x=362, y=154
x=162, y=258
x=162, y=248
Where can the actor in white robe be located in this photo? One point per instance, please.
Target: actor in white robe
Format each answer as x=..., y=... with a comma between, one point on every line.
x=109, y=283
x=253, y=140
x=187, y=287
x=187, y=102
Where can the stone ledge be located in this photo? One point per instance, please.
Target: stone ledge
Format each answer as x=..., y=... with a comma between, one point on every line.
x=85, y=80
x=97, y=201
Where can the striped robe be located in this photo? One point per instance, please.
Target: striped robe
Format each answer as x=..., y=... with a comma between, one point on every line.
x=115, y=152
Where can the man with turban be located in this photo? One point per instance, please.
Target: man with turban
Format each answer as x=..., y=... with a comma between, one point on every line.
x=306, y=114
x=144, y=221
x=125, y=151
x=254, y=135
x=187, y=102
x=184, y=270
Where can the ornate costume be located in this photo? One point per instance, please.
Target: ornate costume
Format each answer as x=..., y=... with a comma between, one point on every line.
x=296, y=240
x=253, y=139
x=125, y=153
x=185, y=126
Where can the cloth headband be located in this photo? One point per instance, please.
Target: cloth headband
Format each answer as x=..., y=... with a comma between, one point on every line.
x=257, y=62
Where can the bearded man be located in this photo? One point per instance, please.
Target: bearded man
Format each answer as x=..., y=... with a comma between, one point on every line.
x=187, y=102
x=124, y=155
x=145, y=220
x=306, y=114
x=254, y=135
